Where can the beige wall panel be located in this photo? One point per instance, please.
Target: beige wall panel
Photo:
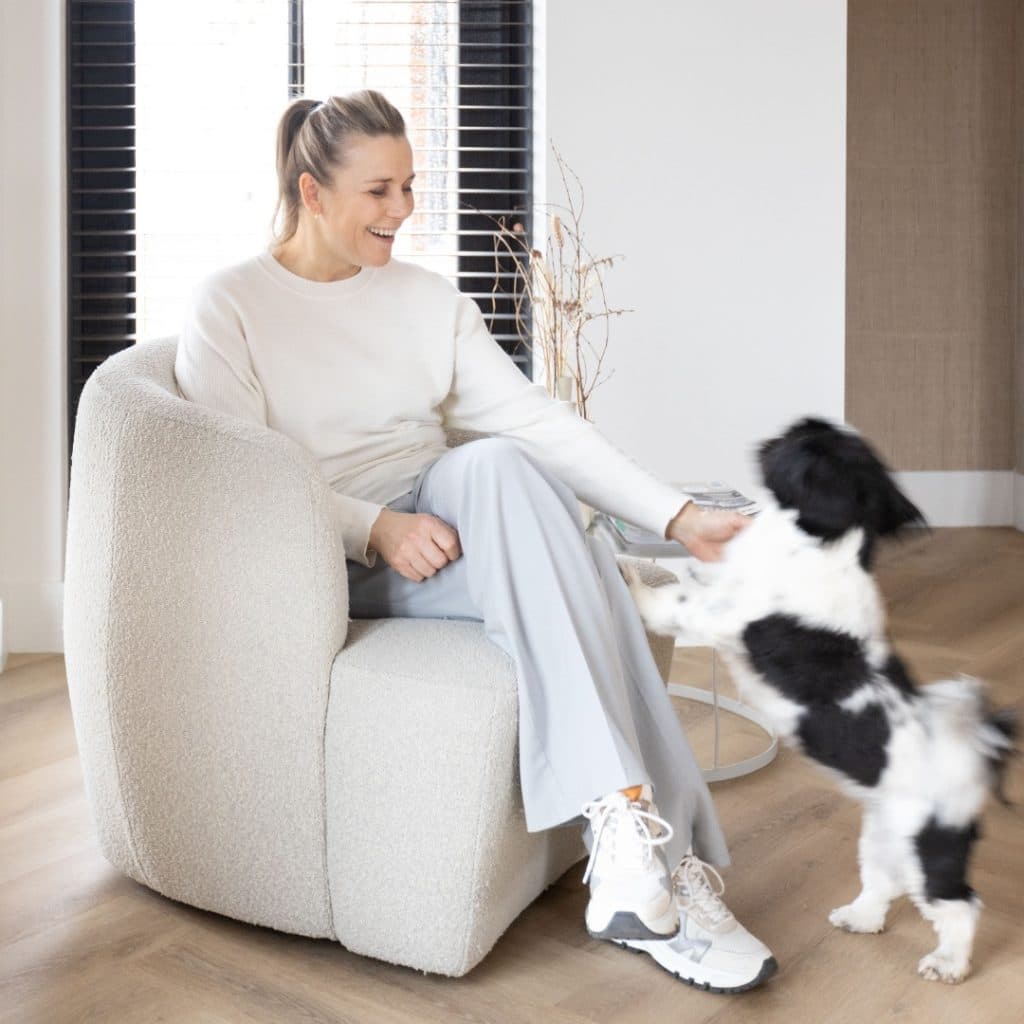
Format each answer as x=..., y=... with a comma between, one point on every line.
x=1019, y=383
x=926, y=401
x=1018, y=377
x=933, y=250
x=930, y=81
x=932, y=231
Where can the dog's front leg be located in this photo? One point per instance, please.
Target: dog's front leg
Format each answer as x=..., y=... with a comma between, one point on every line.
x=699, y=573
x=661, y=608
x=879, y=877
x=690, y=609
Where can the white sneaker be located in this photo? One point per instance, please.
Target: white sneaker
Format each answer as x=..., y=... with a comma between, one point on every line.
x=630, y=887
x=712, y=951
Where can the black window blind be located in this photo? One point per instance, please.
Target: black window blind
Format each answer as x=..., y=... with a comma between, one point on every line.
x=470, y=62
x=101, y=188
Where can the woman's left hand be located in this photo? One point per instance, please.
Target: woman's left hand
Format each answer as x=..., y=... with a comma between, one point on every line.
x=705, y=532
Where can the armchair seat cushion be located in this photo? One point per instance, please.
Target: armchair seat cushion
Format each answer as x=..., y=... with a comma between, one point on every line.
x=428, y=855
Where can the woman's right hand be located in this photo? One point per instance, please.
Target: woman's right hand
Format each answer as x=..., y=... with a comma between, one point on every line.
x=414, y=544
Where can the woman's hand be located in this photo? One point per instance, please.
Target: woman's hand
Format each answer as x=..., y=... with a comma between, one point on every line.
x=705, y=532
x=414, y=544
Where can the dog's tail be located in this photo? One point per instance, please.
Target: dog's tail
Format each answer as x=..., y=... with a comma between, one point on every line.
x=961, y=708
x=1005, y=723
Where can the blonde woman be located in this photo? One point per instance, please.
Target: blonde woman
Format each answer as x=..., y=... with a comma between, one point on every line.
x=365, y=360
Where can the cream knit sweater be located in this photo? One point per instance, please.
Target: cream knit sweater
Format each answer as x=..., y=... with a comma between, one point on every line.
x=367, y=372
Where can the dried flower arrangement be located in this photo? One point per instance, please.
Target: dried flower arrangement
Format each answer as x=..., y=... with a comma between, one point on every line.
x=558, y=294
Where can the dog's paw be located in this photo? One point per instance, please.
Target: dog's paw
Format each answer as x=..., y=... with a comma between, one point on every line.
x=659, y=606
x=852, y=918
x=943, y=968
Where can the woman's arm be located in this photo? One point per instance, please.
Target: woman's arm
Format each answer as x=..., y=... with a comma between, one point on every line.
x=489, y=393
x=213, y=367
x=212, y=364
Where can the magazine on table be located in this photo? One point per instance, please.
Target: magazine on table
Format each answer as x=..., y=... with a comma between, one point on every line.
x=708, y=494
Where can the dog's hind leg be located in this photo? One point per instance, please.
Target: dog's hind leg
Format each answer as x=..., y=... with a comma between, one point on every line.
x=948, y=902
x=955, y=922
x=879, y=878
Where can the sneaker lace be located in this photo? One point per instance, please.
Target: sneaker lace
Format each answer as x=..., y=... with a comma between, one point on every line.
x=602, y=811
x=692, y=877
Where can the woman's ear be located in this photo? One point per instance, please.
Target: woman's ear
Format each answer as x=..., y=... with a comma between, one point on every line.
x=309, y=190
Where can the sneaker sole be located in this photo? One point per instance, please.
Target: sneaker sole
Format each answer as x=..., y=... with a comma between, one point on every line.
x=769, y=968
x=626, y=925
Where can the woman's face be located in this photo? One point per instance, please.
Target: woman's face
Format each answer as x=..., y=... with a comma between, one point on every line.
x=368, y=200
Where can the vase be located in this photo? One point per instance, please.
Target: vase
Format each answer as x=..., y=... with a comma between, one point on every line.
x=565, y=389
x=586, y=513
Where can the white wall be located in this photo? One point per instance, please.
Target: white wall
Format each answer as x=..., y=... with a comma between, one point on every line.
x=711, y=140
x=33, y=447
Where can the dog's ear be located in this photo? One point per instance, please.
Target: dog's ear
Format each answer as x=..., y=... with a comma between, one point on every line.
x=893, y=510
x=888, y=509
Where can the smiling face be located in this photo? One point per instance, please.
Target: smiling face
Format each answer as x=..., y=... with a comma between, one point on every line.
x=367, y=201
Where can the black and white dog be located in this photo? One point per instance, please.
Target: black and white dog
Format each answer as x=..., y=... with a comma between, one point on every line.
x=797, y=616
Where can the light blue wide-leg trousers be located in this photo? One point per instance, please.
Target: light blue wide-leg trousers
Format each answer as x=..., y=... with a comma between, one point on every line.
x=594, y=713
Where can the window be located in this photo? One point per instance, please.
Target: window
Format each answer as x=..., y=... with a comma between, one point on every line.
x=172, y=114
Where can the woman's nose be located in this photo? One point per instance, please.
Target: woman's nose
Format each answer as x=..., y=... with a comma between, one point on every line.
x=400, y=208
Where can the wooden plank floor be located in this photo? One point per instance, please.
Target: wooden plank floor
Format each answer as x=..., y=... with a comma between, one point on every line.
x=79, y=942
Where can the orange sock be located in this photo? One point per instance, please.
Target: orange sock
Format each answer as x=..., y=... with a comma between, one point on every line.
x=634, y=792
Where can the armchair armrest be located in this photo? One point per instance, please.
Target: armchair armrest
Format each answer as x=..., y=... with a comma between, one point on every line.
x=205, y=602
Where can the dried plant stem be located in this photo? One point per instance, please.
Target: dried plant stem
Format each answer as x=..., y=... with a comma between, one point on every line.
x=561, y=290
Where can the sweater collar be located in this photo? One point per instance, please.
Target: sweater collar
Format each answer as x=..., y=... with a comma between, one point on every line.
x=316, y=289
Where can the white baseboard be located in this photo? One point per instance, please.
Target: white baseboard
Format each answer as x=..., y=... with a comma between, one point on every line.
x=980, y=498
x=1018, y=500
x=33, y=616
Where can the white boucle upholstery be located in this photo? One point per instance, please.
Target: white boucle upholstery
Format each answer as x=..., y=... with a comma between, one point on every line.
x=245, y=748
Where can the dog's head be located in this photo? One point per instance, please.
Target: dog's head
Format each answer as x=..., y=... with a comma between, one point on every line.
x=835, y=481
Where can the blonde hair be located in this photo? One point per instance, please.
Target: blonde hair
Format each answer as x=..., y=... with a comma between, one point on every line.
x=313, y=137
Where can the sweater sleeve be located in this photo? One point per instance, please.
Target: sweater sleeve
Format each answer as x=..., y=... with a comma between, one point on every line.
x=489, y=393
x=213, y=367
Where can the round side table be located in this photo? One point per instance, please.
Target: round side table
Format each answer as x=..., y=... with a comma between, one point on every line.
x=719, y=772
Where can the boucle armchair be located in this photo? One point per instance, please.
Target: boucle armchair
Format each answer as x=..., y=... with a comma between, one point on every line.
x=245, y=747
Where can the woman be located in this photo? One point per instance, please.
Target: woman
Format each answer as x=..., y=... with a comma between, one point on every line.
x=365, y=360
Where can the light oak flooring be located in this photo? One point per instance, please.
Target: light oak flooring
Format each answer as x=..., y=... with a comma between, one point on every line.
x=79, y=942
